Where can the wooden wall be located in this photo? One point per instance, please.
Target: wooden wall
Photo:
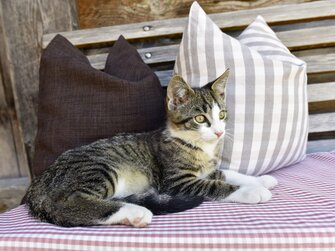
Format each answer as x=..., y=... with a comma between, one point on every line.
x=99, y=13
x=8, y=163
x=22, y=24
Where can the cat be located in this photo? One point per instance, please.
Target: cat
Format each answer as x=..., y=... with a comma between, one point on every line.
x=126, y=178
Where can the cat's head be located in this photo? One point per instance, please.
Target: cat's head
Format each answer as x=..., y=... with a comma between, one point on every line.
x=197, y=113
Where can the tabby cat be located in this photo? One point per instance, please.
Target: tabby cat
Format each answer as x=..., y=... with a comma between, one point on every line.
x=127, y=178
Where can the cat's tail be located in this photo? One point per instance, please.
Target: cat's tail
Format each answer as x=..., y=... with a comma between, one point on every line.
x=160, y=204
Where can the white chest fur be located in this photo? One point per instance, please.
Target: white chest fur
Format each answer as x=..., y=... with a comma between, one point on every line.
x=130, y=182
x=209, y=148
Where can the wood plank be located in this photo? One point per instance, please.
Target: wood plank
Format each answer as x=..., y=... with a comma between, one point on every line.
x=324, y=145
x=316, y=63
x=273, y=15
x=22, y=25
x=9, y=97
x=323, y=122
x=321, y=92
x=321, y=97
x=8, y=162
x=97, y=13
x=321, y=63
x=307, y=38
x=165, y=75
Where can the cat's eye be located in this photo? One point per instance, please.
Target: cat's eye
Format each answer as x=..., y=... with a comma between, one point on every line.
x=200, y=119
x=222, y=114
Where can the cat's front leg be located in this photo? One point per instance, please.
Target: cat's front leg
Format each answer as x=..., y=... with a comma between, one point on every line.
x=219, y=190
x=249, y=195
x=238, y=179
x=252, y=189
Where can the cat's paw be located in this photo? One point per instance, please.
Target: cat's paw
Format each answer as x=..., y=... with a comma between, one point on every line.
x=250, y=195
x=137, y=216
x=132, y=215
x=267, y=181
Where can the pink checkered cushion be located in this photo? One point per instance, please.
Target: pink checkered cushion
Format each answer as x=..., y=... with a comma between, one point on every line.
x=301, y=216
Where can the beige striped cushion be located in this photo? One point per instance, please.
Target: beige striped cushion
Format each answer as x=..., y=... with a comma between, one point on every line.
x=266, y=91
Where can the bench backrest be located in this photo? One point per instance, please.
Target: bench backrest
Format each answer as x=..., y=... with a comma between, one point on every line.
x=307, y=29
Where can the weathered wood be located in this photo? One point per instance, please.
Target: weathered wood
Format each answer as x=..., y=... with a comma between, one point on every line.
x=97, y=13
x=8, y=162
x=324, y=145
x=22, y=25
x=321, y=97
x=322, y=123
x=11, y=192
x=321, y=92
x=321, y=63
x=310, y=38
x=11, y=115
x=273, y=15
x=161, y=54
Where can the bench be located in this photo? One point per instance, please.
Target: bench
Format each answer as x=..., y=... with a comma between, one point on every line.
x=307, y=29
x=301, y=213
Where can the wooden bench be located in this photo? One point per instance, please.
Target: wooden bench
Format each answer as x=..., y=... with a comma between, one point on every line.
x=307, y=29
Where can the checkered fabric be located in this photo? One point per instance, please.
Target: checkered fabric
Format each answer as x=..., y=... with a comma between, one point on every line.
x=301, y=216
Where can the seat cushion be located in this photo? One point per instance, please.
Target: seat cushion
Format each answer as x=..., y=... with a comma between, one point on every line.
x=300, y=216
x=266, y=91
x=79, y=104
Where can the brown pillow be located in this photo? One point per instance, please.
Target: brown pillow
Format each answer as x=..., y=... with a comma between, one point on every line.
x=79, y=104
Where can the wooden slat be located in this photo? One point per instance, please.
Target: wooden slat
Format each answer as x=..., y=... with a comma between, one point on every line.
x=323, y=122
x=308, y=38
x=273, y=15
x=321, y=97
x=160, y=54
x=164, y=76
x=316, y=63
x=321, y=63
x=324, y=145
x=321, y=92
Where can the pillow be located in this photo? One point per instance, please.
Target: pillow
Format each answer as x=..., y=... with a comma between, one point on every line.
x=266, y=91
x=79, y=104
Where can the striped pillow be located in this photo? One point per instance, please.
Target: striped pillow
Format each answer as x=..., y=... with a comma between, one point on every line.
x=266, y=91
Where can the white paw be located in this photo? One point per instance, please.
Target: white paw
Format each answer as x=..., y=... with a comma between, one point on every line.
x=267, y=181
x=250, y=195
x=137, y=216
x=131, y=214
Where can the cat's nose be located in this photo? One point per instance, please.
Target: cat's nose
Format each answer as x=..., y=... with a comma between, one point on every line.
x=218, y=134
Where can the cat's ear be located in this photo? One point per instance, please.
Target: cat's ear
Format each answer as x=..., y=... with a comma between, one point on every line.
x=178, y=92
x=219, y=85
